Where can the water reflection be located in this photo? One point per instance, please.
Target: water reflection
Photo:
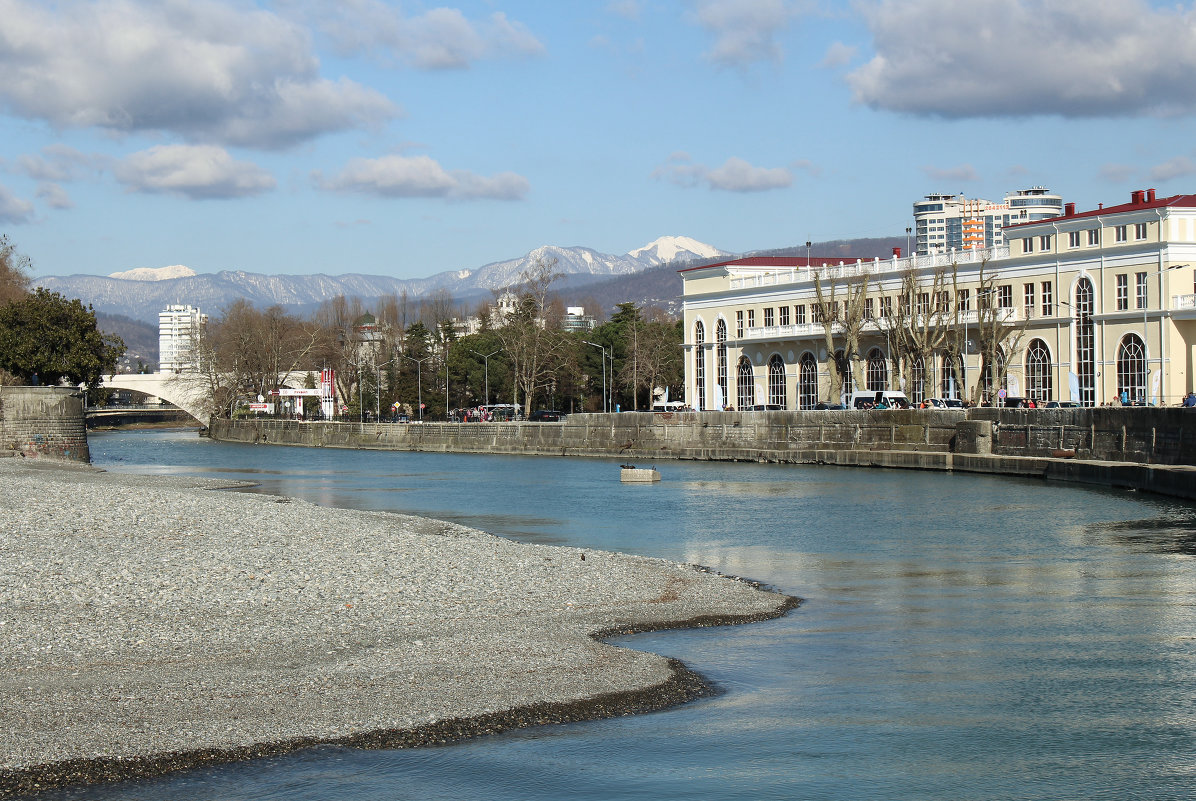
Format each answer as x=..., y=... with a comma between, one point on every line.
x=961, y=636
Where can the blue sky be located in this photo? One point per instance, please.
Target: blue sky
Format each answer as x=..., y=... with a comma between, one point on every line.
x=405, y=139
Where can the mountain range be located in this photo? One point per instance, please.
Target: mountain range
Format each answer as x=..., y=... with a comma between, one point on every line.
x=141, y=293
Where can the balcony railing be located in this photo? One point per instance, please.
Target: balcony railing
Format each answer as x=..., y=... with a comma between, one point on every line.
x=846, y=270
x=873, y=326
x=1184, y=302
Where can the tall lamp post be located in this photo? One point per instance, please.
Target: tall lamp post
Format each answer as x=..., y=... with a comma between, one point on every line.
x=605, y=398
x=486, y=361
x=419, y=382
x=378, y=391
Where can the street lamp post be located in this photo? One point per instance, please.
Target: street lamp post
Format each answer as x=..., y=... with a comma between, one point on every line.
x=378, y=391
x=486, y=361
x=605, y=398
x=419, y=382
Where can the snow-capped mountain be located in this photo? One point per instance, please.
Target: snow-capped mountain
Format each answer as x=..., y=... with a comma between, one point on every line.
x=141, y=293
x=675, y=248
x=155, y=273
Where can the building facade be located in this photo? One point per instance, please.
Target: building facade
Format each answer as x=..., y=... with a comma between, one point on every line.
x=943, y=223
x=1087, y=307
x=178, y=328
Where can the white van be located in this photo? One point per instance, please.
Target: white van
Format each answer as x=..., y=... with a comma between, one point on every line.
x=872, y=399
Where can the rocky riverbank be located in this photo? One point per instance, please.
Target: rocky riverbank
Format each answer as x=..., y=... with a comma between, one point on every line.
x=149, y=624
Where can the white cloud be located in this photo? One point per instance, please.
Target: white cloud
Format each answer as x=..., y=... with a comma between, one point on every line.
x=964, y=172
x=838, y=55
x=627, y=9
x=1177, y=167
x=1117, y=173
x=744, y=30
x=440, y=38
x=1074, y=58
x=735, y=175
x=14, y=210
x=60, y=162
x=420, y=176
x=204, y=70
x=54, y=196
x=199, y=172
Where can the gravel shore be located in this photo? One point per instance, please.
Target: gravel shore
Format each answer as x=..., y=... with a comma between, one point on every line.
x=151, y=623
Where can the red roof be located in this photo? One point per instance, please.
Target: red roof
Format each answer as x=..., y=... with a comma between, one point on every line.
x=1139, y=200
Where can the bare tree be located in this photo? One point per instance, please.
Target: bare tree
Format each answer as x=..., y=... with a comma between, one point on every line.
x=826, y=312
x=923, y=321
x=534, y=348
x=998, y=333
x=14, y=272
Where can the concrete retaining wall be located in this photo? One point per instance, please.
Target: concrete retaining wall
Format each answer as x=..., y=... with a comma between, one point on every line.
x=1112, y=447
x=43, y=422
x=1155, y=436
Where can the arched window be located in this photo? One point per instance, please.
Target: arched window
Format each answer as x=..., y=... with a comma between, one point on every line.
x=720, y=334
x=878, y=371
x=1039, y=382
x=1131, y=369
x=700, y=365
x=807, y=381
x=776, y=382
x=1085, y=342
x=745, y=384
x=950, y=385
x=917, y=379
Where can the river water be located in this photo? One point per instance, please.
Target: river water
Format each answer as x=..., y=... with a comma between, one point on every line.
x=962, y=637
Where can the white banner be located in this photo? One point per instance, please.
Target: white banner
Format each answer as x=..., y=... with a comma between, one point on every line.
x=287, y=392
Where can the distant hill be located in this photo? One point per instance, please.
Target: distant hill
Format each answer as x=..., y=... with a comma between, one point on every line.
x=646, y=276
x=141, y=294
x=140, y=338
x=661, y=286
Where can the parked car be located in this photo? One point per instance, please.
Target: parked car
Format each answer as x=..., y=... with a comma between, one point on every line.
x=935, y=403
x=545, y=416
x=888, y=399
x=823, y=406
x=766, y=407
x=1063, y=405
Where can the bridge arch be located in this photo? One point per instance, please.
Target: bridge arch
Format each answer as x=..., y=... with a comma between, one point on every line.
x=184, y=394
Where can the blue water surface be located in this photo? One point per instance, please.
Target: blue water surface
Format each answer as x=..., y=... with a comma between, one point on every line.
x=961, y=637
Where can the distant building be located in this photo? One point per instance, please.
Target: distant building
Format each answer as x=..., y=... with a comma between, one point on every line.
x=178, y=329
x=576, y=319
x=943, y=223
x=1102, y=304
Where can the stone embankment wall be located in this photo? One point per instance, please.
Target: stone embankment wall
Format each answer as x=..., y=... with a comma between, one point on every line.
x=1150, y=449
x=43, y=422
x=1155, y=436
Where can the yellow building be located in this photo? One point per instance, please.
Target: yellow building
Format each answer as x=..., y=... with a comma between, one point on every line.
x=1088, y=307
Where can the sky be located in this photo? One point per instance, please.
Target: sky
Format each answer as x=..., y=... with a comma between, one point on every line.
x=407, y=139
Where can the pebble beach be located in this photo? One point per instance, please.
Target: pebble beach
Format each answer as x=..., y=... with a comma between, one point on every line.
x=150, y=624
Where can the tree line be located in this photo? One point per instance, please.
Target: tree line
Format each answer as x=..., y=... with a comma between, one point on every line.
x=46, y=338
x=401, y=353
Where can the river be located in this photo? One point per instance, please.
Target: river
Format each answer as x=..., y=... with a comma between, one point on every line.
x=961, y=637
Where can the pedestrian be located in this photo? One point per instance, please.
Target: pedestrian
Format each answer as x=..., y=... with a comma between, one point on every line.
x=1190, y=400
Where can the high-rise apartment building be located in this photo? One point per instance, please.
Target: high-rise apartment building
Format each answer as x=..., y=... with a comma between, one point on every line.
x=955, y=222
x=178, y=326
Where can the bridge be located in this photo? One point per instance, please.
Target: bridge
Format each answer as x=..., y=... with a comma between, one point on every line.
x=186, y=394
x=184, y=390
